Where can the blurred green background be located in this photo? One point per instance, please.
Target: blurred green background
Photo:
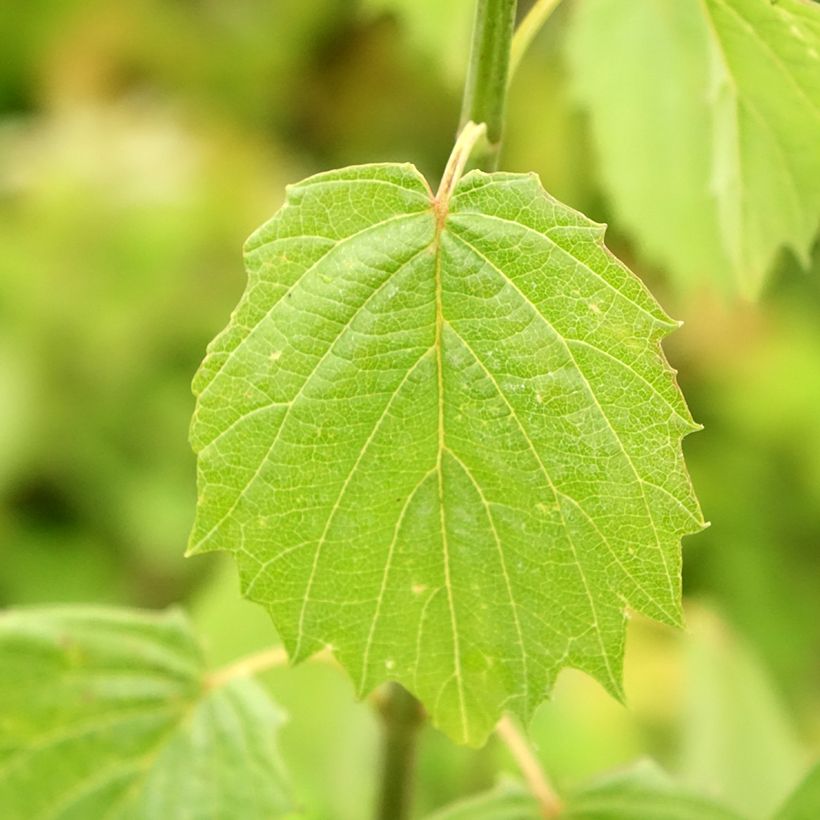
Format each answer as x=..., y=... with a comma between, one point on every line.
x=140, y=143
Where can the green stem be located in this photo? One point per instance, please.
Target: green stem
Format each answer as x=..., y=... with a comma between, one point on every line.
x=528, y=28
x=462, y=150
x=402, y=717
x=539, y=785
x=485, y=93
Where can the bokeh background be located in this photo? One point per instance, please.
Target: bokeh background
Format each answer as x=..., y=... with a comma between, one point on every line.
x=140, y=143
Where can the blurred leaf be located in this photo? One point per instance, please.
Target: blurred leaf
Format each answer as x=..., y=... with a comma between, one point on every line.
x=365, y=340
x=804, y=804
x=751, y=376
x=706, y=116
x=331, y=740
x=509, y=800
x=108, y=712
x=643, y=792
x=738, y=742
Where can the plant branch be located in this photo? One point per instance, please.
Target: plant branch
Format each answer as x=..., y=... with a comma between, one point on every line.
x=253, y=664
x=528, y=28
x=530, y=767
x=485, y=93
x=402, y=717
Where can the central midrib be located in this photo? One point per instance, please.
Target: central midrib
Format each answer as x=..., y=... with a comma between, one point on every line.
x=440, y=210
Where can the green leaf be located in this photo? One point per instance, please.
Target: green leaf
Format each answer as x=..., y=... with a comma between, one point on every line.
x=509, y=800
x=441, y=438
x=706, y=115
x=643, y=792
x=804, y=804
x=107, y=713
x=737, y=740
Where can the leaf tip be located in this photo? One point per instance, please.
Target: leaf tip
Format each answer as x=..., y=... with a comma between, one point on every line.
x=615, y=687
x=195, y=544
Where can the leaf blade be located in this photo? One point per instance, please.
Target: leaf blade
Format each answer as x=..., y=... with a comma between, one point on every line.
x=711, y=171
x=433, y=369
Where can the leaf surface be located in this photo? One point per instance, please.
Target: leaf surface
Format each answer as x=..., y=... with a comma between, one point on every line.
x=441, y=438
x=706, y=115
x=106, y=713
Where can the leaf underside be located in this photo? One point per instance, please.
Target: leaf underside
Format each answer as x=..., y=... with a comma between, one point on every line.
x=441, y=438
x=706, y=118
x=105, y=713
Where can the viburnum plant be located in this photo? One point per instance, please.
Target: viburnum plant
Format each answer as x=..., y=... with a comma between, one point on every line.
x=441, y=439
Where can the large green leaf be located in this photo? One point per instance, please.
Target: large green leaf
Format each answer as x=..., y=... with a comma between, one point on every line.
x=441, y=438
x=107, y=713
x=706, y=115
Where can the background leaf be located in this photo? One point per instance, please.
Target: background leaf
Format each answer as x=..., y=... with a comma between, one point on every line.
x=511, y=367
x=107, y=712
x=705, y=116
x=643, y=792
x=804, y=804
x=509, y=800
x=738, y=743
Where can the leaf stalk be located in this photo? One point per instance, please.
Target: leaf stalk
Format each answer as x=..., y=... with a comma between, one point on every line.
x=528, y=28
x=530, y=767
x=250, y=665
x=470, y=134
x=485, y=92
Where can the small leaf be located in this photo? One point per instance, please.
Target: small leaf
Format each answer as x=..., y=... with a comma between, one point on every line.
x=441, y=438
x=106, y=713
x=706, y=115
x=804, y=804
x=642, y=793
x=509, y=800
